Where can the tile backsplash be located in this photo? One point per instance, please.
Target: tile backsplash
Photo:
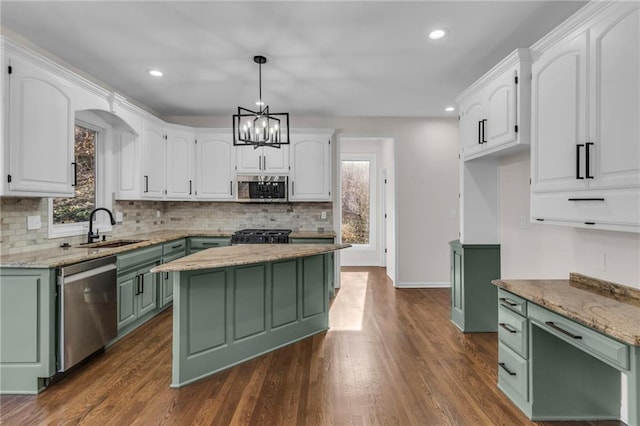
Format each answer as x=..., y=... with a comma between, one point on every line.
x=148, y=216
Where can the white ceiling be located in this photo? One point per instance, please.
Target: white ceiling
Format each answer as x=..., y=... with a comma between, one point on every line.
x=327, y=58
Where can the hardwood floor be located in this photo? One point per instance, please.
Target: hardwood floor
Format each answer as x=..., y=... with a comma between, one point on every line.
x=391, y=357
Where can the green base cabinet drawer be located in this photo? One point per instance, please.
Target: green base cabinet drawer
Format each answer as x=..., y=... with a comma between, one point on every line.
x=513, y=331
x=203, y=243
x=512, y=302
x=513, y=374
x=602, y=347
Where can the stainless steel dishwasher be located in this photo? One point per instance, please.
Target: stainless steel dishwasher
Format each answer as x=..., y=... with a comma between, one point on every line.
x=88, y=309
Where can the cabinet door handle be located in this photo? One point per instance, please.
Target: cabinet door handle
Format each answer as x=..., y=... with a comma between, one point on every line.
x=146, y=183
x=508, y=302
x=504, y=367
x=293, y=188
x=484, y=122
x=75, y=173
x=480, y=131
x=586, y=163
x=166, y=275
x=585, y=199
x=141, y=283
x=137, y=285
x=260, y=162
x=190, y=187
x=231, y=188
x=506, y=327
x=264, y=162
x=562, y=330
x=578, y=176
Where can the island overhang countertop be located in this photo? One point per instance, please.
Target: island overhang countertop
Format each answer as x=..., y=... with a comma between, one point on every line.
x=222, y=257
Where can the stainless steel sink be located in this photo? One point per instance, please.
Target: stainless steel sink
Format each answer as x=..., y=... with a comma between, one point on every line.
x=111, y=244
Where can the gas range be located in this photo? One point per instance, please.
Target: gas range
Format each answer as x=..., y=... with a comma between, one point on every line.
x=261, y=236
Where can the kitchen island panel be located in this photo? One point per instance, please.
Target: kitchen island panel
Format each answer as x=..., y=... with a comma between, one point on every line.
x=257, y=316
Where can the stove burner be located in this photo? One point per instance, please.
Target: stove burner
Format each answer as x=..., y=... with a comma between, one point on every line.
x=261, y=236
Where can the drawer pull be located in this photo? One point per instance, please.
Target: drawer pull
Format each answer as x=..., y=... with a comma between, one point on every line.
x=506, y=327
x=508, y=301
x=176, y=246
x=210, y=244
x=504, y=367
x=565, y=332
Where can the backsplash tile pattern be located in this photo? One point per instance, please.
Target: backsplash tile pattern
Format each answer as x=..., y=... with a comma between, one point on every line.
x=148, y=216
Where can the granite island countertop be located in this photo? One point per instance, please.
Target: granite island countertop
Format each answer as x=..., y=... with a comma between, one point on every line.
x=58, y=257
x=609, y=308
x=246, y=254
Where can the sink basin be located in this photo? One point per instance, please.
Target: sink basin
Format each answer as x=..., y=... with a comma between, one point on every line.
x=111, y=244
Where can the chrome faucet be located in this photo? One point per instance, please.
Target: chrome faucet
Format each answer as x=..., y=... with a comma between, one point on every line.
x=91, y=236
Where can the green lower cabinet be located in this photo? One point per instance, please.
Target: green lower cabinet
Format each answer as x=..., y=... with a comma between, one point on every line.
x=473, y=297
x=551, y=375
x=27, y=329
x=137, y=287
x=197, y=244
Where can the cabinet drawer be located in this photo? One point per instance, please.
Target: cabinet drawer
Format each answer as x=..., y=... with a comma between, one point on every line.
x=513, y=373
x=138, y=257
x=203, y=243
x=174, y=247
x=513, y=331
x=512, y=302
x=600, y=346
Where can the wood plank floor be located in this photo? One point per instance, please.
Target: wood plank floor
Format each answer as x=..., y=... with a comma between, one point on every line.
x=392, y=357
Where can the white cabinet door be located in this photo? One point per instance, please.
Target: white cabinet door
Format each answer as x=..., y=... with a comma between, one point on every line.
x=310, y=178
x=275, y=160
x=215, y=167
x=262, y=160
x=471, y=127
x=179, y=179
x=128, y=167
x=41, y=133
x=248, y=160
x=153, y=149
x=559, y=90
x=500, y=110
x=614, y=110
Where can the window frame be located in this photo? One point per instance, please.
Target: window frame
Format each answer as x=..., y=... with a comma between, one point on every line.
x=88, y=121
x=373, y=219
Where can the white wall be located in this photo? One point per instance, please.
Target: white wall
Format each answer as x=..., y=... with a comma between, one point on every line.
x=427, y=185
x=531, y=250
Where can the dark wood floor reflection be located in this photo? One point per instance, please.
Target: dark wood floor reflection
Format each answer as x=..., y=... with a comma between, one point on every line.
x=391, y=357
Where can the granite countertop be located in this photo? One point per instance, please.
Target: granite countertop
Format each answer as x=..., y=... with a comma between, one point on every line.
x=58, y=257
x=222, y=257
x=609, y=308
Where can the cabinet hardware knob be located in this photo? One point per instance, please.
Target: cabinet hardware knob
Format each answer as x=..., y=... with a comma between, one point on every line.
x=504, y=367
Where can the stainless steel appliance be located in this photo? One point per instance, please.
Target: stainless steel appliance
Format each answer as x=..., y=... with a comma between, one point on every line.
x=265, y=189
x=261, y=236
x=88, y=309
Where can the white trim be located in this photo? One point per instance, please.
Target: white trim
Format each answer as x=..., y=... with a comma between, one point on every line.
x=432, y=284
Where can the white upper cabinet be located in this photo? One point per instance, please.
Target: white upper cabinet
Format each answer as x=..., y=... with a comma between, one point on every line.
x=310, y=176
x=585, y=154
x=262, y=160
x=215, y=167
x=153, y=161
x=495, y=110
x=179, y=165
x=40, y=136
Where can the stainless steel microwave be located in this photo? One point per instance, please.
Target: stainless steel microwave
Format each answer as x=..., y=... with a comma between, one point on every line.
x=262, y=189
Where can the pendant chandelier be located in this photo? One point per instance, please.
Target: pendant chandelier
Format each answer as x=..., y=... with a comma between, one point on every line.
x=260, y=128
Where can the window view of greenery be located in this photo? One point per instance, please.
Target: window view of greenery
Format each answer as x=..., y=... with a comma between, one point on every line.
x=78, y=208
x=355, y=202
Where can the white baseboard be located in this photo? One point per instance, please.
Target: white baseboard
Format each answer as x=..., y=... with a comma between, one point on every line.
x=433, y=284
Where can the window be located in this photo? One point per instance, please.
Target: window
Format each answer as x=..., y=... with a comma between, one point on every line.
x=77, y=209
x=356, y=202
x=70, y=216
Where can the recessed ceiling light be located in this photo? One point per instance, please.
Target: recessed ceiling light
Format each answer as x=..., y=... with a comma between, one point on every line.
x=449, y=109
x=437, y=34
x=156, y=73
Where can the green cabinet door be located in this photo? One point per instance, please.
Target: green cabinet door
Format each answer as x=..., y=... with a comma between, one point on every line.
x=127, y=299
x=147, y=297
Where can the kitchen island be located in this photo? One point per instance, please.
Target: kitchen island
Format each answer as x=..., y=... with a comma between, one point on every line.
x=235, y=303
